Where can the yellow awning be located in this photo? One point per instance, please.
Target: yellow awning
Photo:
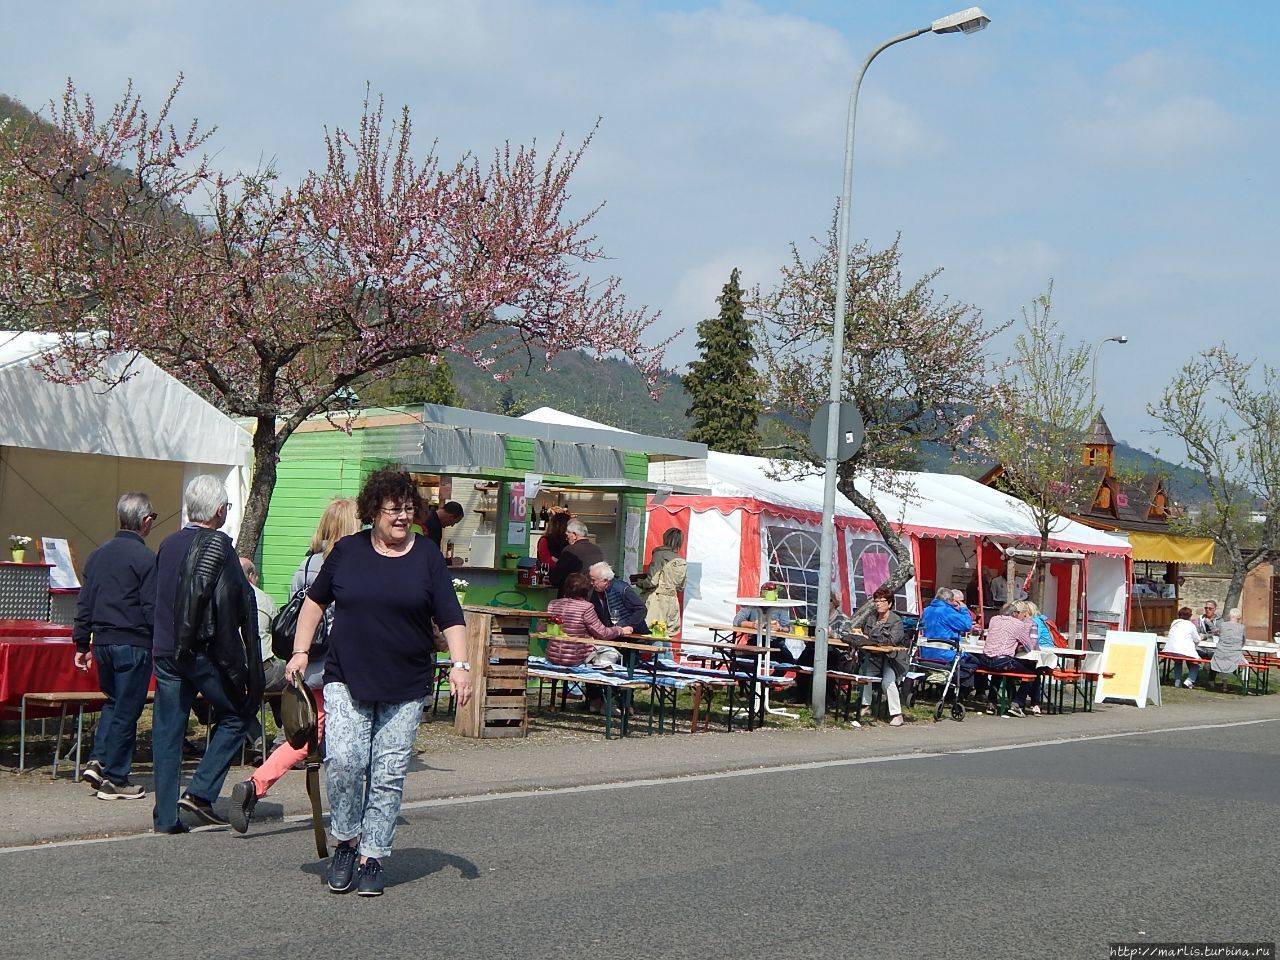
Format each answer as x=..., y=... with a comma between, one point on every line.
x=1166, y=548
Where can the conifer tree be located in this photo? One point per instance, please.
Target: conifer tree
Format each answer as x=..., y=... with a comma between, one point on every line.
x=723, y=382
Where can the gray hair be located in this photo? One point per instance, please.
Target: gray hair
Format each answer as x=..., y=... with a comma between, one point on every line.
x=132, y=511
x=1234, y=614
x=943, y=593
x=1012, y=609
x=601, y=570
x=577, y=527
x=203, y=497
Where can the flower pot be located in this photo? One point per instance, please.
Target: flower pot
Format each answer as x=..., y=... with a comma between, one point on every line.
x=554, y=630
x=769, y=595
x=17, y=554
x=509, y=563
x=461, y=595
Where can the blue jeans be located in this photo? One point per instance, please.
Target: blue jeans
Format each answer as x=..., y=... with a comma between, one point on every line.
x=373, y=737
x=1193, y=672
x=177, y=683
x=124, y=674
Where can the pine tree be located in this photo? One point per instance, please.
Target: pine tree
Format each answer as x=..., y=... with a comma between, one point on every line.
x=723, y=383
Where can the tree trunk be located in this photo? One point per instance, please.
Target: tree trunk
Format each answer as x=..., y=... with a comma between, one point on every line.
x=901, y=551
x=266, y=456
x=1235, y=587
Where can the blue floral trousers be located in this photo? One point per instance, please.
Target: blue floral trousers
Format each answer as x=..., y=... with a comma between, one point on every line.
x=373, y=738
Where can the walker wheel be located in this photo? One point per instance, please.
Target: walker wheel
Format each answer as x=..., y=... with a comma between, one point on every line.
x=937, y=711
x=957, y=712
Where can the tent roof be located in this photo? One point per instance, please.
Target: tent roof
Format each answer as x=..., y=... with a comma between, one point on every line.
x=942, y=505
x=150, y=416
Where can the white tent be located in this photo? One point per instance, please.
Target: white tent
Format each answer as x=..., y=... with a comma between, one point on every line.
x=753, y=527
x=68, y=452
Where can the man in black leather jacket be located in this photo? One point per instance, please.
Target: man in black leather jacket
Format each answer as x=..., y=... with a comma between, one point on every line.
x=206, y=643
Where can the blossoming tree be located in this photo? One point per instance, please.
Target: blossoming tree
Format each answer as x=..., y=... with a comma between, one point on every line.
x=915, y=366
x=117, y=234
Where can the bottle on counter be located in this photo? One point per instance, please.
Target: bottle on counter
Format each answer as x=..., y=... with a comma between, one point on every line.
x=448, y=552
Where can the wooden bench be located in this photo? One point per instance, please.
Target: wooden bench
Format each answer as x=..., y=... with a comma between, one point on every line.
x=81, y=700
x=1002, y=678
x=559, y=675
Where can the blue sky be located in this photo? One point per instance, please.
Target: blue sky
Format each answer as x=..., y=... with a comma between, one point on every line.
x=1119, y=148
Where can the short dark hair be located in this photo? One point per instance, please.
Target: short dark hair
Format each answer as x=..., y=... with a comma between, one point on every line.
x=884, y=593
x=388, y=483
x=577, y=585
x=1184, y=613
x=454, y=509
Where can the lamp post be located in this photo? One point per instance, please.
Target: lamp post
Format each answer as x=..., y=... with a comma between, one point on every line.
x=1093, y=375
x=970, y=20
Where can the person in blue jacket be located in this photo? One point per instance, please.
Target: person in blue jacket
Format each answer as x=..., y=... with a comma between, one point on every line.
x=946, y=617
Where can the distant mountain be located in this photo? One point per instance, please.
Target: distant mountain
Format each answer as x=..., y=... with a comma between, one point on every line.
x=613, y=392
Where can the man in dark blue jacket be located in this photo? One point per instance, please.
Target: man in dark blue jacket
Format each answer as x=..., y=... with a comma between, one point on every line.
x=115, y=610
x=616, y=603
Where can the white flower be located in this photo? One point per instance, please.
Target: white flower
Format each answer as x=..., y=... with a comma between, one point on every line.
x=18, y=542
x=459, y=584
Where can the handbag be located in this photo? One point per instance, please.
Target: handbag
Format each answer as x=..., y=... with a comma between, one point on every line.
x=285, y=624
x=301, y=724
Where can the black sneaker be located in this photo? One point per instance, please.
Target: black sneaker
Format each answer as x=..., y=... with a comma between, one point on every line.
x=341, y=874
x=372, y=879
x=178, y=827
x=92, y=774
x=201, y=808
x=244, y=797
x=120, y=791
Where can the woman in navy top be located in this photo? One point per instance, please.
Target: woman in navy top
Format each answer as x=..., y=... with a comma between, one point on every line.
x=387, y=586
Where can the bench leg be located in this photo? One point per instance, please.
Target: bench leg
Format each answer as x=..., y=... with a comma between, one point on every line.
x=79, y=739
x=57, y=746
x=22, y=735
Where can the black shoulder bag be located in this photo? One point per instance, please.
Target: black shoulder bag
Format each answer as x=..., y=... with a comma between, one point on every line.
x=285, y=624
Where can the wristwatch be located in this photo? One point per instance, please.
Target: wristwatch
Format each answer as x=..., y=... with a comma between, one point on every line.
x=465, y=665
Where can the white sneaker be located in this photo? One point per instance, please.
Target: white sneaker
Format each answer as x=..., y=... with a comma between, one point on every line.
x=896, y=721
x=1188, y=684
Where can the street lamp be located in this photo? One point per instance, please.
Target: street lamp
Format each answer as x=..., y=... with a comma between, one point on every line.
x=1093, y=376
x=965, y=21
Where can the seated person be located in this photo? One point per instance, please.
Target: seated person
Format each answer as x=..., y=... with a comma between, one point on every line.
x=578, y=620
x=838, y=627
x=885, y=630
x=617, y=603
x=1010, y=632
x=945, y=618
x=1229, y=655
x=750, y=618
x=1040, y=630
x=1183, y=637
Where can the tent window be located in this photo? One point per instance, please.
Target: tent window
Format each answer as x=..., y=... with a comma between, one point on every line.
x=793, y=565
x=870, y=564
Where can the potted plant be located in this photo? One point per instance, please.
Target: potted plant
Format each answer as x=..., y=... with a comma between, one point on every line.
x=553, y=627
x=509, y=560
x=658, y=628
x=768, y=590
x=802, y=628
x=460, y=588
x=18, y=546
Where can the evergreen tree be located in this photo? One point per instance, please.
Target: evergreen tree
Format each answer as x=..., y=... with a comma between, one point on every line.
x=413, y=381
x=723, y=383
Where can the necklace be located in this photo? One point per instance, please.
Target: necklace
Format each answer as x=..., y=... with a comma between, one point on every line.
x=387, y=550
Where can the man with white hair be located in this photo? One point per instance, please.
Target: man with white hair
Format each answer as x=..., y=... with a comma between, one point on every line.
x=577, y=557
x=206, y=643
x=617, y=603
x=115, y=610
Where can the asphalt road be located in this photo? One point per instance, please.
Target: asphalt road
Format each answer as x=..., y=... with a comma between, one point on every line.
x=1042, y=851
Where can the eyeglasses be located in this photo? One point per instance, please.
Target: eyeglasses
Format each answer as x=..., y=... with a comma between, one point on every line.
x=405, y=511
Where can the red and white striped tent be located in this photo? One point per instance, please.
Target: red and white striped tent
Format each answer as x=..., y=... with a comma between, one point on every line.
x=751, y=528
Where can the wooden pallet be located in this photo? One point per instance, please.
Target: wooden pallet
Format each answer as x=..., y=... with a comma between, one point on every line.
x=498, y=650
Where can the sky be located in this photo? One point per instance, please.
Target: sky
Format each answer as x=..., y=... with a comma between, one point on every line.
x=1119, y=149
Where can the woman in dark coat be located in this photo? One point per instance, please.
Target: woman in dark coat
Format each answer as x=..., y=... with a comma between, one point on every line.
x=885, y=629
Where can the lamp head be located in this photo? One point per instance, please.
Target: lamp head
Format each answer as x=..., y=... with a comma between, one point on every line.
x=966, y=21
x=1122, y=339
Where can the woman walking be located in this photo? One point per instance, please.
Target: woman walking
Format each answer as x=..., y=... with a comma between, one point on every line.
x=339, y=520
x=386, y=586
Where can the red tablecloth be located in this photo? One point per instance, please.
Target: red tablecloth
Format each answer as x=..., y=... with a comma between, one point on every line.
x=38, y=665
x=33, y=628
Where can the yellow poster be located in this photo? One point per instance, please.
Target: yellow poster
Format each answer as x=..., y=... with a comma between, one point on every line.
x=1129, y=668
